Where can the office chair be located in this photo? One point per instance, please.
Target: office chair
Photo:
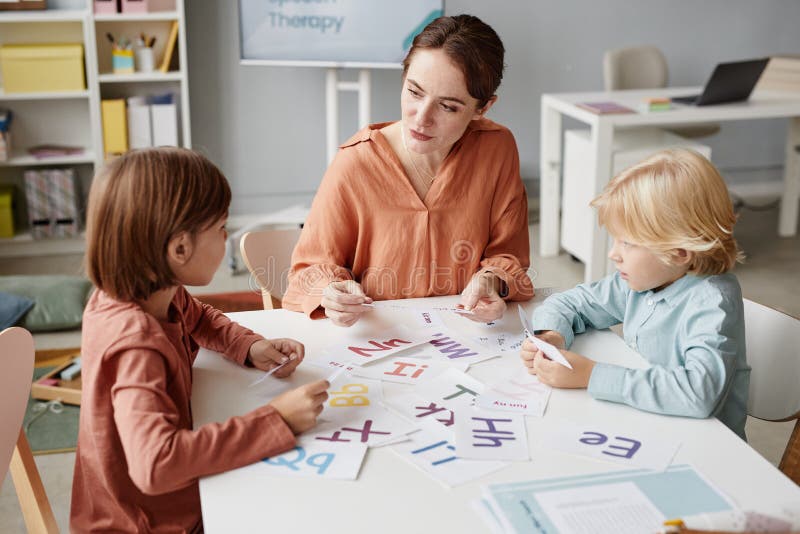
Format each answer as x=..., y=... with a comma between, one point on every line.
x=773, y=352
x=268, y=256
x=17, y=351
x=645, y=67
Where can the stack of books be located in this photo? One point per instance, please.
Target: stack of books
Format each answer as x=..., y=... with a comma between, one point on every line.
x=656, y=104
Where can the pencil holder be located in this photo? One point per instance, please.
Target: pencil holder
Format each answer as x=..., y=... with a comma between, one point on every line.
x=122, y=61
x=145, y=62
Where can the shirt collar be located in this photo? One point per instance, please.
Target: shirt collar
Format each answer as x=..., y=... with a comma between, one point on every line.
x=676, y=291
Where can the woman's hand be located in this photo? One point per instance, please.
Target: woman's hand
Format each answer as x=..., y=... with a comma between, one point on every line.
x=300, y=407
x=530, y=350
x=558, y=376
x=270, y=353
x=343, y=302
x=482, y=297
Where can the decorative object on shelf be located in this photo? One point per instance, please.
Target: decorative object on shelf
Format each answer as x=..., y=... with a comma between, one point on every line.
x=5, y=135
x=145, y=60
x=122, y=61
x=30, y=68
x=17, y=5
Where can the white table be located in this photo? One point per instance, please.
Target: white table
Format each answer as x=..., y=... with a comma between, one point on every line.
x=392, y=496
x=762, y=105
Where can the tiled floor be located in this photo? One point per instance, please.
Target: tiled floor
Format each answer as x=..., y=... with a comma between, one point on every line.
x=770, y=276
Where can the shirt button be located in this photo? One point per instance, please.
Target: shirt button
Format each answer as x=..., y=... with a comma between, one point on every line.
x=649, y=302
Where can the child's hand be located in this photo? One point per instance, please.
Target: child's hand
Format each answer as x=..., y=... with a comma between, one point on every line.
x=530, y=350
x=269, y=353
x=300, y=407
x=556, y=375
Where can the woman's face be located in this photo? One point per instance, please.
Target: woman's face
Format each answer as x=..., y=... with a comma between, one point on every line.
x=436, y=106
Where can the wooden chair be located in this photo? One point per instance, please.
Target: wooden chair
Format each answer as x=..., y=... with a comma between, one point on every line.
x=268, y=256
x=773, y=352
x=17, y=350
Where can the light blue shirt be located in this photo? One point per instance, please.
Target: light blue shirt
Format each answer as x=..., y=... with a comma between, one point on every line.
x=692, y=332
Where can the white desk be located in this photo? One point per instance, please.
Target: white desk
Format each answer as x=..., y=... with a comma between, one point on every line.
x=763, y=105
x=392, y=496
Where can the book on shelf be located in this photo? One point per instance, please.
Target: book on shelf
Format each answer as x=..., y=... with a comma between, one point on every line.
x=169, y=48
x=605, y=108
x=54, y=151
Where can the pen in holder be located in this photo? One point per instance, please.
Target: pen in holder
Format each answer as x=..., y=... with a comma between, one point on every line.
x=122, y=61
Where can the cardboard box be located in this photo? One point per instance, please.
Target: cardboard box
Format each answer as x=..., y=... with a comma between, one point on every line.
x=34, y=68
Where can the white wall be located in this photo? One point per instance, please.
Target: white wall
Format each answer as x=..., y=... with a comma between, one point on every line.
x=265, y=127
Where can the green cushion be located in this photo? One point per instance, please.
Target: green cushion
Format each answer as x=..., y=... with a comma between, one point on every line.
x=59, y=300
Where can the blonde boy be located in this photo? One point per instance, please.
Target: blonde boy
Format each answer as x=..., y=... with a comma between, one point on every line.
x=672, y=223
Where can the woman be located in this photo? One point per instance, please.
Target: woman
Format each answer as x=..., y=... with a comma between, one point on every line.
x=430, y=205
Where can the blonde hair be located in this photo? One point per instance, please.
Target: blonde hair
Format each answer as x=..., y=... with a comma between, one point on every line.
x=137, y=204
x=675, y=199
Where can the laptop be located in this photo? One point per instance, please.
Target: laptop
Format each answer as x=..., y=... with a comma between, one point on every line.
x=730, y=82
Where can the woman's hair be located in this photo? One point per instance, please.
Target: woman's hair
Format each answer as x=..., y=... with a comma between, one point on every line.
x=472, y=45
x=137, y=204
x=675, y=199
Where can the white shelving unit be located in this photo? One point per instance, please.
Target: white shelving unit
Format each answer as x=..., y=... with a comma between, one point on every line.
x=73, y=118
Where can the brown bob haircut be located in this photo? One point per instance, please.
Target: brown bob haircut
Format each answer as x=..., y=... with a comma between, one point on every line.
x=137, y=204
x=472, y=45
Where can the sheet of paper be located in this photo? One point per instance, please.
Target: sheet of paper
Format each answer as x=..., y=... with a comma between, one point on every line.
x=550, y=351
x=317, y=459
x=406, y=370
x=365, y=350
x=452, y=388
x=349, y=394
x=485, y=435
x=432, y=449
x=415, y=408
x=502, y=341
x=448, y=346
x=629, y=448
x=428, y=318
x=517, y=506
x=519, y=392
x=374, y=426
x=621, y=508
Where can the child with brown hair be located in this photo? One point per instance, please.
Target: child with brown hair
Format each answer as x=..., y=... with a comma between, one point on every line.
x=156, y=222
x=672, y=222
